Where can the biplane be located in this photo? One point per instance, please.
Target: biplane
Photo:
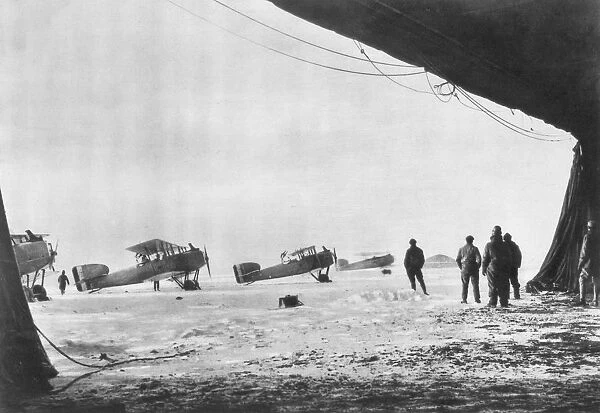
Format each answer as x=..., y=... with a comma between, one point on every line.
x=373, y=262
x=33, y=255
x=301, y=261
x=156, y=260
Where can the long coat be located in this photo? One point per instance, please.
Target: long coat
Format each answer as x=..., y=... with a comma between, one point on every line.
x=63, y=280
x=589, y=258
x=516, y=253
x=414, y=258
x=468, y=259
x=497, y=258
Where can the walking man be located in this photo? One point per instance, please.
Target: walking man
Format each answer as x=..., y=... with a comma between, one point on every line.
x=469, y=261
x=513, y=274
x=496, y=265
x=413, y=262
x=63, y=280
x=589, y=263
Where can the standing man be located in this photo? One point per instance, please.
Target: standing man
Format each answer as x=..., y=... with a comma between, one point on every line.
x=469, y=261
x=156, y=285
x=513, y=274
x=63, y=280
x=413, y=262
x=496, y=264
x=589, y=263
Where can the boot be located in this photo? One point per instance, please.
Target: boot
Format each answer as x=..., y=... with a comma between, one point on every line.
x=517, y=294
x=423, y=287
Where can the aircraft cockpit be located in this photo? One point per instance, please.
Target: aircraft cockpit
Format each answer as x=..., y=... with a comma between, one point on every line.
x=142, y=259
x=156, y=250
x=304, y=252
x=27, y=237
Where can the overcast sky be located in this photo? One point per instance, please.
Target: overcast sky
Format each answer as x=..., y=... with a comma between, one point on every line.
x=122, y=121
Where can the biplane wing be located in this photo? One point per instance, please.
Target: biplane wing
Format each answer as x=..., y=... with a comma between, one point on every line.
x=304, y=251
x=22, y=238
x=153, y=246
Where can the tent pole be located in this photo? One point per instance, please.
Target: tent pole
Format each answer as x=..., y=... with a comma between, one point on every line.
x=24, y=364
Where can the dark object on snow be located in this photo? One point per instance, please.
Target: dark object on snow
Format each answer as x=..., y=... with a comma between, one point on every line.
x=104, y=356
x=386, y=271
x=179, y=298
x=289, y=301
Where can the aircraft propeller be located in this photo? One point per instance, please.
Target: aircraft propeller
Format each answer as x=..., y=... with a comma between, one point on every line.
x=334, y=256
x=53, y=254
x=207, y=264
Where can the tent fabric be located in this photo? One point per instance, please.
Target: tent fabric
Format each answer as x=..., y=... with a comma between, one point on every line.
x=24, y=364
x=559, y=269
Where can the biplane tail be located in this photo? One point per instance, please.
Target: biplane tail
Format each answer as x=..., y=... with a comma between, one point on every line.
x=85, y=275
x=244, y=272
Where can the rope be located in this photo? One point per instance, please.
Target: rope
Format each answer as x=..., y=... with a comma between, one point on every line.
x=438, y=94
x=507, y=124
x=113, y=364
x=362, y=50
x=287, y=54
x=305, y=41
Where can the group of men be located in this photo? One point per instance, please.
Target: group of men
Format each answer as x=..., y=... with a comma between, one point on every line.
x=501, y=262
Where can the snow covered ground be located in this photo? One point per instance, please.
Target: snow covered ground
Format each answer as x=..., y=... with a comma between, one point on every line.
x=233, y=323
x=363, y=342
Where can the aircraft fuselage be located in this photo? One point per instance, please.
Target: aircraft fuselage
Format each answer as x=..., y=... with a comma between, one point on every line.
x=184, y=262
x=375, y=262
x=307, y=264
x=31, y=256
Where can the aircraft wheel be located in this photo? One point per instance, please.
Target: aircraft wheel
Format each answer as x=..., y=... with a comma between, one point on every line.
x=324, y=278
x=39, y=292
x=190, y=285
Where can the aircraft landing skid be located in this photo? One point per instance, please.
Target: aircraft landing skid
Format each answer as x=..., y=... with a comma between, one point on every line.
x=322, y=277
x=187, y=284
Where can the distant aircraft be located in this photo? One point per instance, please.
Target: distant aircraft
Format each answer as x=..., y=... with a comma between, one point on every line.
x=373, y=262
x=304, y=260
x=157, y=260
x=33, y=255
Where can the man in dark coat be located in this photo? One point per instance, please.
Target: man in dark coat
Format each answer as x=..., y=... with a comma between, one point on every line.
x=589, y=263
x=513, y=275
x=469, y=261
x=413, y=262
x=496, y=264
x=63, y=280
